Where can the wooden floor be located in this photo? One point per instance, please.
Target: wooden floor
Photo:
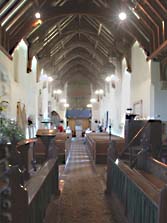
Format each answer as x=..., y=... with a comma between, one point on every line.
x=82, y=198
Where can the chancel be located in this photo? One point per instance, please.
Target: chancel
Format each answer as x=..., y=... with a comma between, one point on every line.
x=83, y=111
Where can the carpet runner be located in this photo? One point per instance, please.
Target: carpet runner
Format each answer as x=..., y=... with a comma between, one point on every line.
x=82, y=198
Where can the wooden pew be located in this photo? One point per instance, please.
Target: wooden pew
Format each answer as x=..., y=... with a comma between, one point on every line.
x=101, y=148
x=60, y=141
x=90, y=145
x=19, y=196
x=142, y=196
x=67, y=146
x=156, y=182
x=98, y=144
x=63, y=144
x=26, y=149
x=5, y=189
x=30, y=201
x=153, y=166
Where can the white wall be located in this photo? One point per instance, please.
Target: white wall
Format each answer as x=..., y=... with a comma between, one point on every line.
x=125, y=94
x=141, y=80
x=159, y=109
x=25, y=88
x=95, y=116
x=130, y=89
x=111, y=102
x=23, y=85
x=6, y=71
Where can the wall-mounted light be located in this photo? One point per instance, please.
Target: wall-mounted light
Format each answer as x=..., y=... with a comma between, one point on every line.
x=99, y=92
x=63, y=100
x=122, y=16
x=112, y=77
x=108, y=78
x=89, y=105
x=50, y=79
x=66, y=105
x=58, y=91
x=93, y=100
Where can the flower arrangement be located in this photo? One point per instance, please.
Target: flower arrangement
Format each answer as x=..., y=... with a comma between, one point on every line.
x=9, y=130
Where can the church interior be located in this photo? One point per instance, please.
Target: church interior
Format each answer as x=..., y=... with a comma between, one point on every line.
x=83, y=111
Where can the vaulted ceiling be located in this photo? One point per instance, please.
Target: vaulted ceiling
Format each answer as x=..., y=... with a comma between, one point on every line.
x=77, y=41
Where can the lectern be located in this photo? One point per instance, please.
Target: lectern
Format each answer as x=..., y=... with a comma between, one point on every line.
x=45, y=148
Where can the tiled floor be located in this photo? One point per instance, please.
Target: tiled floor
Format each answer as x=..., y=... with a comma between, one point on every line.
x=82, y=198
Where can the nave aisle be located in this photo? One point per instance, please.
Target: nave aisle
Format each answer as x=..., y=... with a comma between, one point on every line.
x=82, y=198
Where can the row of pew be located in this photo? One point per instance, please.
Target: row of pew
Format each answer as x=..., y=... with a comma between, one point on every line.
x=140, y=191
x=33, y=176
x=98, y=144
x=143, y=195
